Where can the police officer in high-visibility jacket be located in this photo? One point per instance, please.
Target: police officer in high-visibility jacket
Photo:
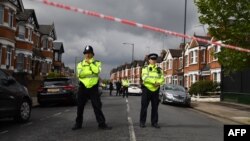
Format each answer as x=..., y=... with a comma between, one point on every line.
x=152, y=79
x=88, y=74
x=125, y=84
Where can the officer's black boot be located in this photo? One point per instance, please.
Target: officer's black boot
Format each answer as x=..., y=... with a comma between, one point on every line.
x=155, y=125
x=142, y=125
x=76, y=127
x=105, y=127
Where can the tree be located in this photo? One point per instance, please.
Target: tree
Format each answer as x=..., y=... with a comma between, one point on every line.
x=229, y=22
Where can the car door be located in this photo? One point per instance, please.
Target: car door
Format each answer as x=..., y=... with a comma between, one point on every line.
x=7, y=95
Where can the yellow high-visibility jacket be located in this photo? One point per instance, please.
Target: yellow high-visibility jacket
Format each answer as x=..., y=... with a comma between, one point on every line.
x=88, y=73
x=152, y=74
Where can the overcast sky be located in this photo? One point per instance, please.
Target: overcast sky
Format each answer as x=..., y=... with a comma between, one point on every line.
x=78, y=30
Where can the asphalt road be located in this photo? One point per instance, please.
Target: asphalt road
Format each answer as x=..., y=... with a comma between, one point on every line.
x=54, y=123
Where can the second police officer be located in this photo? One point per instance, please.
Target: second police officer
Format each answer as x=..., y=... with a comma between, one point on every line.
x=152, y=79
x=88, y=74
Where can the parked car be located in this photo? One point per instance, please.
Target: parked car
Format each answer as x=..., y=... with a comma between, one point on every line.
x=174, y=94
x=134, y=89
x=14, y=99
x=57, y=90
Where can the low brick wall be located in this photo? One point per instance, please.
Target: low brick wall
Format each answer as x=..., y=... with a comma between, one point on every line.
x=32, y=86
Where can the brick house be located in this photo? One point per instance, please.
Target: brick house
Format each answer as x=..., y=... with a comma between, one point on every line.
x=170, y=65
x=58, y=50
x=8, y=13
x=200, y=62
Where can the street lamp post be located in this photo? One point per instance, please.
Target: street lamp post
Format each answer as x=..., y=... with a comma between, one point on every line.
x=132, y=44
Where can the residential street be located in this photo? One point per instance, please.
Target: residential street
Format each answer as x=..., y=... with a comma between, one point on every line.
x=54, y=122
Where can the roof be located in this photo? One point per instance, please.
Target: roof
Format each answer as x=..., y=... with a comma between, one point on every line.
x=203, y=37
x=24, y=16
x=47, y=29
x=58, y=46
x=175, y=52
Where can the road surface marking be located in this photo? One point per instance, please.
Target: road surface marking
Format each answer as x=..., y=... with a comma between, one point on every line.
x=130, y=122
x=57, y=114
x=27, y=124
x=3, y=132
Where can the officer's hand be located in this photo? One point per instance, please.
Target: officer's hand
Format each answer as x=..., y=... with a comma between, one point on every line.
x=87, y=61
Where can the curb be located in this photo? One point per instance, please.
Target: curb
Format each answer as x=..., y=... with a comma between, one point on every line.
x=236, y=121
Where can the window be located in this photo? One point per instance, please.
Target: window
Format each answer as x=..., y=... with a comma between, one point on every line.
x=30, y=35
x=175, y=80
x=186, y=60
x=216, y=50
x=203, y=56
x=28, y=63
x=56, y=56
x=45, y=43
x=11, y=15
x=215, y=77
x=44, y=68
x=195, y=56
x=170, y=64
x=191, y=57
x=1, y=14
x=8, y=57
x=21, y=32
x=181, y=63
x=20, y=62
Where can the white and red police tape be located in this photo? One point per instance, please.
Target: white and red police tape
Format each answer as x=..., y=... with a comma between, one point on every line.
x=135, y=24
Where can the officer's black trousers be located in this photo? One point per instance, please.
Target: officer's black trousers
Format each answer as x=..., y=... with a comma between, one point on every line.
x=83, y=95
x=148, y=96
x=125, y=92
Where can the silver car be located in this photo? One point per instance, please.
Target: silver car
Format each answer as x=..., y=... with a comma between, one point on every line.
x=174, y=94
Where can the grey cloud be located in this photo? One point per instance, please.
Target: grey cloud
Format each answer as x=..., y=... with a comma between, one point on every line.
x=76, y=30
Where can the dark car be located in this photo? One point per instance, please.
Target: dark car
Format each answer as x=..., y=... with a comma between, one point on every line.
x=14, y=99
x=57, y=90
x=174, y=94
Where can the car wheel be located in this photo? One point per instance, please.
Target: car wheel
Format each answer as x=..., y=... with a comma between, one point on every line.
x=24, y=112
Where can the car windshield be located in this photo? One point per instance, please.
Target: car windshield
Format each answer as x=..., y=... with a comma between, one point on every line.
x=174, y=88
x=134, y=85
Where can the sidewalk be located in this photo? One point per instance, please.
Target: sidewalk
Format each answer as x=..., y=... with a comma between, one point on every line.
x=238, y=113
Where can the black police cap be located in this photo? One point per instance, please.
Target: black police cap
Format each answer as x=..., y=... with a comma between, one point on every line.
x=88, y=49
x=152, y=56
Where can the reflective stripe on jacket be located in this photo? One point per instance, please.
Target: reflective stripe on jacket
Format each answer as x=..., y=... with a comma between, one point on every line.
x=152, y=74
x=88, y=73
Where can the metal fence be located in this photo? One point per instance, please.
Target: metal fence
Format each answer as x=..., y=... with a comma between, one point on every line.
x=236, y=87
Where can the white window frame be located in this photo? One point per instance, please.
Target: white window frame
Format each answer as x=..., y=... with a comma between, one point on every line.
x=8, y=56
x=191, y=57
x=170, y=64
x=215, y=77
x=45, y=43
x=1, y=14
x=29, y=34
x=21, y=32
x=216, y=50
x=20, y=62
x=10, y=18
x=196, y=56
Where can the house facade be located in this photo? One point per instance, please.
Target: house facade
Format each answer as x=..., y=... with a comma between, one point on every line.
x=27, y=48
x=183, y=66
